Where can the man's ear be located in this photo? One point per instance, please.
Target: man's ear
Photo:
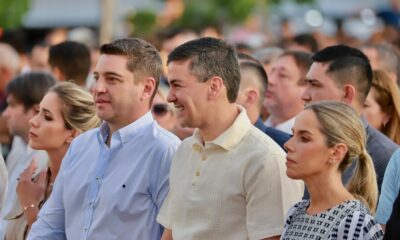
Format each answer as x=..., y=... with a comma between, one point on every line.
x=149, y=86
x=349, y=94
x=252, y=97
x=215, y=87
x=58, y=74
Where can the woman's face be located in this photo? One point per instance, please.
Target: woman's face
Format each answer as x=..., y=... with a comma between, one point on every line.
x=373, y=112
x=307, y=152
x=48, y=131
x=163, y=113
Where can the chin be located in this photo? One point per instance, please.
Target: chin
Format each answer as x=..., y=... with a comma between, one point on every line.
x=293, y=175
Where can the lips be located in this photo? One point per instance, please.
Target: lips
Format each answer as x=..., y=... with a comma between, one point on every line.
x=32, y=135
x=289, y=161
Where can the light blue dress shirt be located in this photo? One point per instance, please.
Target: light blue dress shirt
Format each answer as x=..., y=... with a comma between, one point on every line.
x=110, y=193
x=390, y=189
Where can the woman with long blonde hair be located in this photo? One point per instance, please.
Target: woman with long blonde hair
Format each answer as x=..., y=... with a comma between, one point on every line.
x=327, y=138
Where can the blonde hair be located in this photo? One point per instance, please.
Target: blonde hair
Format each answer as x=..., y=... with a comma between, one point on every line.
x=340, y=124
x=388, y=98
x=79, y=112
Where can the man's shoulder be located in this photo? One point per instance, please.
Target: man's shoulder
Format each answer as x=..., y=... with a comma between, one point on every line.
x=377, y=141
x=260, y=142
x=163, y=137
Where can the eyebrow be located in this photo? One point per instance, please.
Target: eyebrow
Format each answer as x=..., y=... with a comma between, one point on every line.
x=47, y=111
x=308, y=80
x=108, y=74
x=302, y=131
x=174, y=81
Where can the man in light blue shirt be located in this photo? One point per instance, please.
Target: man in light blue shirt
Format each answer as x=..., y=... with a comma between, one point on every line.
x=114, y=179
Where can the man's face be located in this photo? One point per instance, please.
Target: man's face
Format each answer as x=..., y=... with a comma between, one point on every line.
x=116, y=95
x=283, y=84
x=188, y=95
x=320, y=86
x=17, y=117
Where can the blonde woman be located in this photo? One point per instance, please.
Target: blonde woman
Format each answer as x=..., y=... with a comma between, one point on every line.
x=65, y=111
x=382, y=106
x=327, y=138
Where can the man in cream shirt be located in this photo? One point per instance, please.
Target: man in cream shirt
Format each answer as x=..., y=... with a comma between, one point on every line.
x=228, y=180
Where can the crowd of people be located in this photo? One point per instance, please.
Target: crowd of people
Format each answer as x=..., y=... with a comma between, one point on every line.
x=199, y=139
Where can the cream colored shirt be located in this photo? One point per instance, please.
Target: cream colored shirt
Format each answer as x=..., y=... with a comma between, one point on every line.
x=234, y=187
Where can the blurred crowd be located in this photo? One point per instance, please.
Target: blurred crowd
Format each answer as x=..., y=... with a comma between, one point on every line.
x=186, y=135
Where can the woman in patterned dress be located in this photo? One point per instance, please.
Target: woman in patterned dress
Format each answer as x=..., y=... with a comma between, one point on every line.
x=327, y=138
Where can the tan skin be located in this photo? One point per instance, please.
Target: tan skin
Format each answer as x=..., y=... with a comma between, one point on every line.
x=209, y=97
x=320, y=171
x=47, y=122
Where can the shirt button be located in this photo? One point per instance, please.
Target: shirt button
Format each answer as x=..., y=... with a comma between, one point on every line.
x=98, y=178
x=193, y=184
x=90, y=203
x=197, y=173
x=85, y=229
x=203, y=157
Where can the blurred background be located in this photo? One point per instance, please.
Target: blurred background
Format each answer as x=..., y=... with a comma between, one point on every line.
x=252, y=23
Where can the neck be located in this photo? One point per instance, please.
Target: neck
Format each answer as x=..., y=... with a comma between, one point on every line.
x=56, y=156
x=116, y=125
x=218, y=123
x=326, y=191
x=253, y=114
x=281, y=115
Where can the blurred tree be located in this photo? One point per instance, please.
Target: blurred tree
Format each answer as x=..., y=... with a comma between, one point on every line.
x=143, y=22
x=12, y=13
x=198, y=14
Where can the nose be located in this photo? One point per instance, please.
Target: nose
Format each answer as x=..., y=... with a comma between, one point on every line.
x=99, y=86
x=6, y=112
x=306, y=95
x=288, y=145
x=171, y=95
x=33, y=122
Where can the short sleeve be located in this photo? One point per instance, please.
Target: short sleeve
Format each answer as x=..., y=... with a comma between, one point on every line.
x=359, y=225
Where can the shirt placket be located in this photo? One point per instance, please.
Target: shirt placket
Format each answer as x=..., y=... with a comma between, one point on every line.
x=94, y=188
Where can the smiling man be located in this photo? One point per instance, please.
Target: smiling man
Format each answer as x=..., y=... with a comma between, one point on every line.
x=113, y=179
x=228, y=180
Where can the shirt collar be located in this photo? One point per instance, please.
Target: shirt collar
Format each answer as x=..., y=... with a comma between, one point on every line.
x=126, y=133
x=231, y=136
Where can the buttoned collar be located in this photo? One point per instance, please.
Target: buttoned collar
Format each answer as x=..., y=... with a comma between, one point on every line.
x=232, y=136
x=125, y=134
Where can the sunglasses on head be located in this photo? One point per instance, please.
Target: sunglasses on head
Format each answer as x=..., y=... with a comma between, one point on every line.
x=160, y=109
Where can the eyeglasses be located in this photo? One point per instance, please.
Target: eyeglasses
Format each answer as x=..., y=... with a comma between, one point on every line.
x=160, y=109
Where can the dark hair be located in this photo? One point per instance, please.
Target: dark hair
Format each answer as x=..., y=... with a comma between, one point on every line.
x=143, y=58
x=72, y=59
x=347, y=65
x=30, y=88
x=307, y=40
x=303, y=61
x=211, y=57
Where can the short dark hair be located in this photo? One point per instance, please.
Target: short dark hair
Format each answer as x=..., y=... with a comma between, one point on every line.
x=143, y=58
x=347, y=65
x=303, y=61
x=308, y=40
x=73, y=60
x=30, y=88
x=248, y=63
x=211, y=57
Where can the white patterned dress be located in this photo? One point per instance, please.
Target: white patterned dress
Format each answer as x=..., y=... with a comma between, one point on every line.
x=349, y=220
